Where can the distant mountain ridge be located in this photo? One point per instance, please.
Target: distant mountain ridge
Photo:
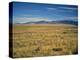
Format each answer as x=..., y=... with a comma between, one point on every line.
x=54, y=22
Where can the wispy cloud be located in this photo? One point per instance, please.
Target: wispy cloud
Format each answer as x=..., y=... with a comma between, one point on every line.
x=74, y=18
x=61, y=10
x=50, y=8
x=69, y=8
x=29, y=19
x=25, y=15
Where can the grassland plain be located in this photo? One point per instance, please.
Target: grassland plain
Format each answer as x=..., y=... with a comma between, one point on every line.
x=31, y=40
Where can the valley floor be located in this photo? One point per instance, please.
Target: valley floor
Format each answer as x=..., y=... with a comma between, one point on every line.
x=31, y=40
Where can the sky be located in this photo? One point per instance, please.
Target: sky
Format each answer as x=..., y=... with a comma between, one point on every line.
x=32, y=12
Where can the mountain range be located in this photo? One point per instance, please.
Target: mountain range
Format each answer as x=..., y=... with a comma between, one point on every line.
x=54, y=22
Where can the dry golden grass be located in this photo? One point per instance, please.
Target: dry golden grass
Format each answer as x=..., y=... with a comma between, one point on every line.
x=44, y=40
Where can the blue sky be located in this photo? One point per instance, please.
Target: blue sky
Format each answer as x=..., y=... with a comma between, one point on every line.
x=31, y=12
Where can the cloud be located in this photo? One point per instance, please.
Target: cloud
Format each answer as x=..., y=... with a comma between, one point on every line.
x=50, y=8
x=69, y=8
x=61, y=8
x=75, y=18
x=25, y=15
x=29, y=19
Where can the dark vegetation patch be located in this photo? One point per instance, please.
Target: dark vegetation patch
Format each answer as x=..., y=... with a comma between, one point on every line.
x=57, y=49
